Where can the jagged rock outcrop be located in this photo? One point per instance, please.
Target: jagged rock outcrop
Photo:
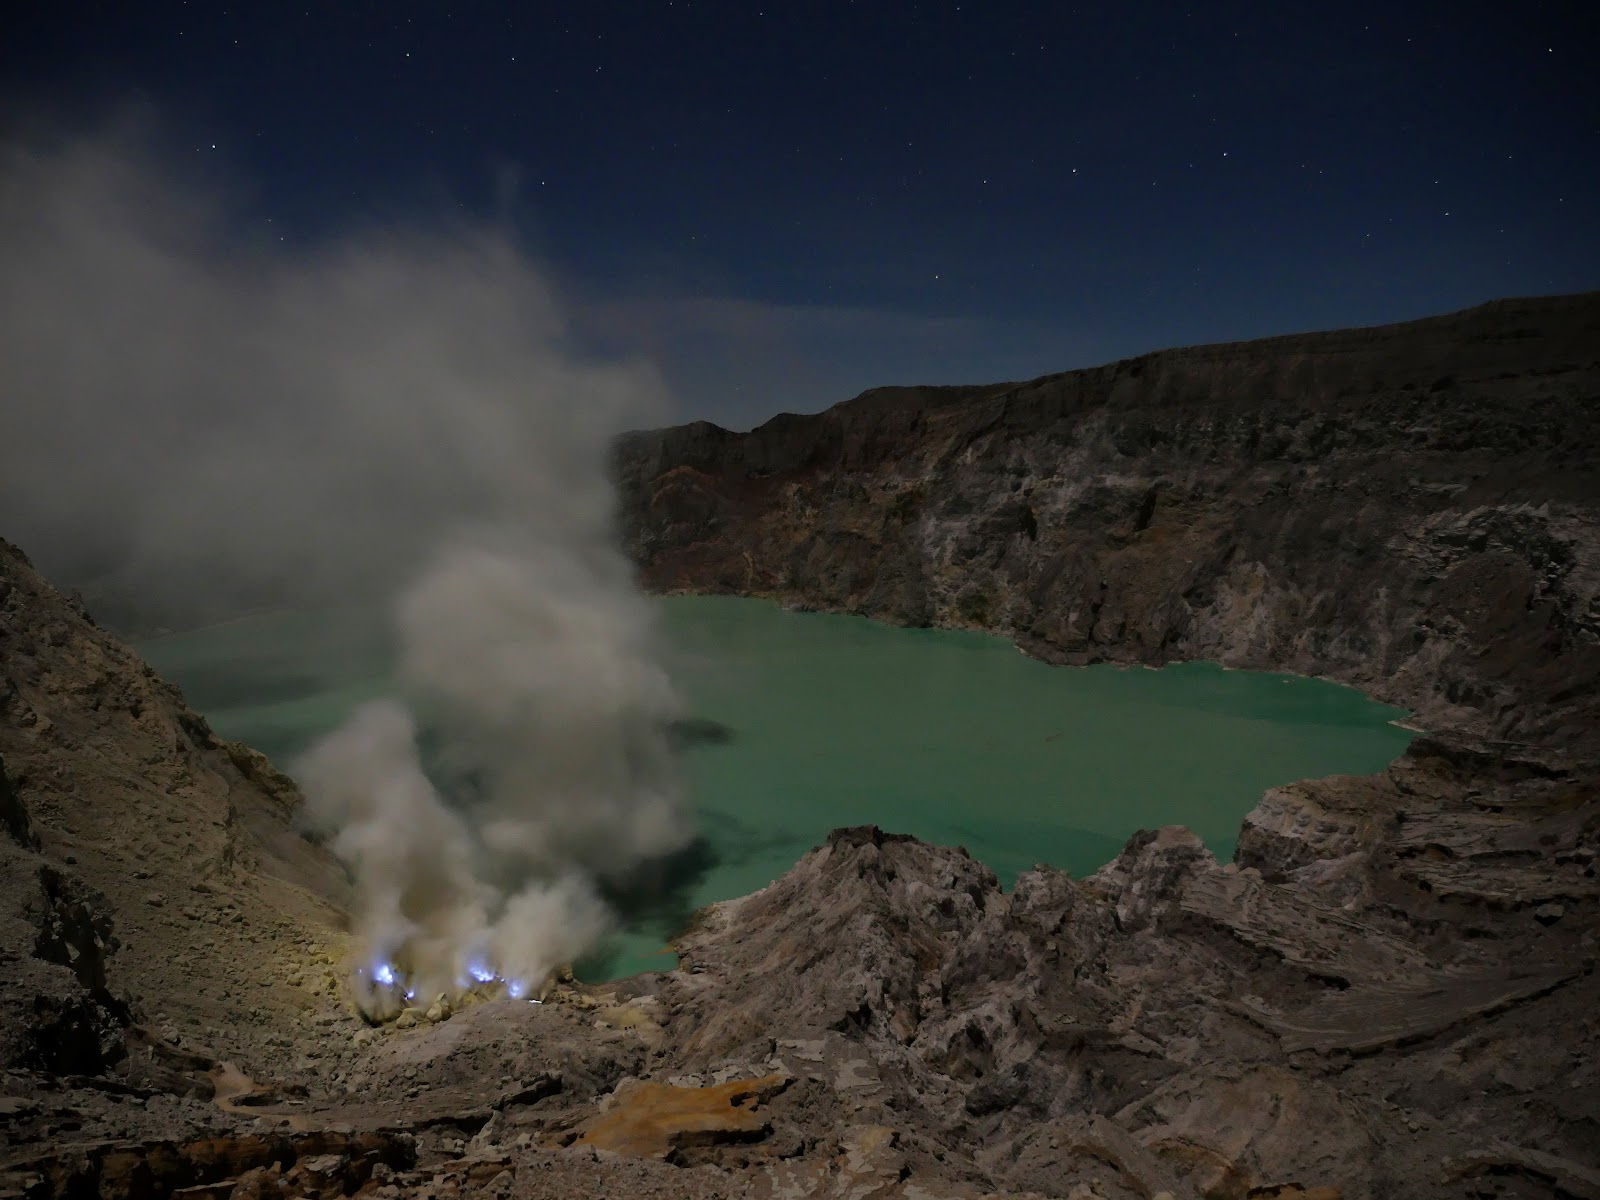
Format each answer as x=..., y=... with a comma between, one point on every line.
x=1178, y=1024
x=13, y=816
x=1413, y=509
x=56, y=1012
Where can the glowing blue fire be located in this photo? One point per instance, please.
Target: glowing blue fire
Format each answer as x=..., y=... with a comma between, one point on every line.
x=386, y=974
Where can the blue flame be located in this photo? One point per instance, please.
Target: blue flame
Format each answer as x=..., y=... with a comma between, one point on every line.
x=480, y=971
x=516, y=989
x=384, y=973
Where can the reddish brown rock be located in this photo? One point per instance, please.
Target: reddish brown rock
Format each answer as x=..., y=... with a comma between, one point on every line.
x=650, y=1120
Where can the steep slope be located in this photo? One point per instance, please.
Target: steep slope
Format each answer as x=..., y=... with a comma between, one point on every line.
x=134, y=828
x=1413, y=509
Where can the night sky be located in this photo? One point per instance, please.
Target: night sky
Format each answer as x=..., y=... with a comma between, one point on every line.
x=784, y=204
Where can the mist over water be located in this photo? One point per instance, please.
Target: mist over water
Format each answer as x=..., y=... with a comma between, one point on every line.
x=799, y=722
x=198, y=425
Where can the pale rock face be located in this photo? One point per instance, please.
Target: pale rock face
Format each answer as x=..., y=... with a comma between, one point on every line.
x=1295, y=826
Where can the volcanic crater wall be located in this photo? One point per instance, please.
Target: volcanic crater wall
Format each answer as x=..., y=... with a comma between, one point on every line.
x=1413, y=509
x=1390, y=992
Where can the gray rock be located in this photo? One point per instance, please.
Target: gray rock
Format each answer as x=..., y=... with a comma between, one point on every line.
x=15, y=1108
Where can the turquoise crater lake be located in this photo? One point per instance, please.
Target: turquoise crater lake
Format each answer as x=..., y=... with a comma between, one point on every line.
x=824, y=720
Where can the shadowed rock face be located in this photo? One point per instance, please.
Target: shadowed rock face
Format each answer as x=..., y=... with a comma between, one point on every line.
x=1390, y=993
x=1312, y=1019
x=1414, y=509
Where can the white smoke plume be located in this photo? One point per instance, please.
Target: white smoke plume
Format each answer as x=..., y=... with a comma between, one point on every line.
x=532, y=659
x=212, y=423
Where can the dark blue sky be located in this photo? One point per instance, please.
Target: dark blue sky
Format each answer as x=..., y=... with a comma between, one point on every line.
x=787, y=203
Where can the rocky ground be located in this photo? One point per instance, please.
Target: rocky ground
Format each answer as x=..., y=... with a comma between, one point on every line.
x=1389, y=993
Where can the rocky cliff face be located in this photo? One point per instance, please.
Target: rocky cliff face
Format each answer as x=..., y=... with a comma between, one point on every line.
x=1391, y=992
x=1413, y=509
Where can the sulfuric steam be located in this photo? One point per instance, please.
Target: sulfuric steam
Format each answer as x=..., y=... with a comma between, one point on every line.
x=534, y=663
x=203, y=421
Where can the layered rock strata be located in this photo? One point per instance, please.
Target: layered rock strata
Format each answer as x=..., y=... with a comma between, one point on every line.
x=1413, y=509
